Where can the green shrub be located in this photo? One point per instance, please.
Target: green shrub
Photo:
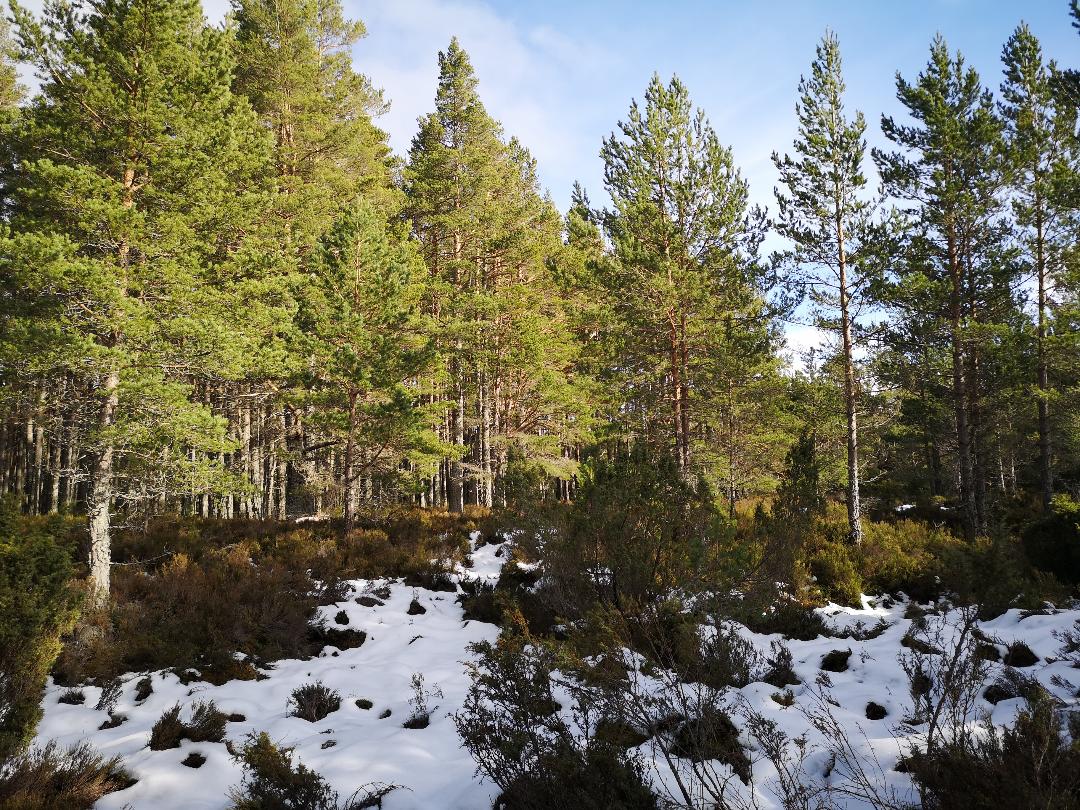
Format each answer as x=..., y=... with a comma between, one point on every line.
x=271, y=782
x=835, y=574
x=636, y=531
x=51, y=779
x=511, y=725
x=792, y=620
x=38, y=605
x=926, y=563
x=599, y=778
x=915, y=558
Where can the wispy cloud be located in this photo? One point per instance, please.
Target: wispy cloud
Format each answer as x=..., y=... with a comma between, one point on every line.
x=530, y=77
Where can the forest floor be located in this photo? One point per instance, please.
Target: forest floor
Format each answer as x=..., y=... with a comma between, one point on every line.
x=355, y=746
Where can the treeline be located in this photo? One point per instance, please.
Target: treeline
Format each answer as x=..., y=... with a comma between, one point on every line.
x=223, y=294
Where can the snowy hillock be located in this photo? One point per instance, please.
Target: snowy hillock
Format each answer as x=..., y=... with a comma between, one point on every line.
x=856, y=676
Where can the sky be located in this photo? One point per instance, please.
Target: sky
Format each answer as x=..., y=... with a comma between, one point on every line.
x=560, y=74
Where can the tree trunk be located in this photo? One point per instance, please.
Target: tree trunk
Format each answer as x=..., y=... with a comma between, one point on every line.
x=854, y=506
x=282, y=464
x=676, y=392
x=1046, y=471
x=959, y=392
x=99, y=496
x=455, y=485
x=349, y=505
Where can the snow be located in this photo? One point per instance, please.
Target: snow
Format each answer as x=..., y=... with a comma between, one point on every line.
x=430, y=764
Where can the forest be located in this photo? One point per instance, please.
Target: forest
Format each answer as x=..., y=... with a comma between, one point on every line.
x=273, y=396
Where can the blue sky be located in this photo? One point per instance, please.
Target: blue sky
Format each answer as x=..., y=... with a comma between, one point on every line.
x=560, y=74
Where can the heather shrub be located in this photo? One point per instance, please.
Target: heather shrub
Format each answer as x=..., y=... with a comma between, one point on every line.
x=1030, y=764
x=197, y=614
x=207, y=724
x=910, y=557
x=313, y=702
x=50, y=778
x=834, y=573
x=539, y=758
x=636, y=530
x=272, y=782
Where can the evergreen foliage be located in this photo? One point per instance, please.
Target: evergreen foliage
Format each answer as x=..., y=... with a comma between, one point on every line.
x=39, y=604
x=224, y=297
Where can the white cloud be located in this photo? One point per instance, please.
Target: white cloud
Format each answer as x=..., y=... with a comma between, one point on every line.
x=536, y=81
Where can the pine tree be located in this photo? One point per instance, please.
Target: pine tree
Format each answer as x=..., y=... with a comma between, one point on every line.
x=1044, y=158
x=124, y=203
x=831, y=224
x=950, y=169
x=486, y=234
x=11, y=91
x=682, y=286
x=363, y=345
x=294, y=65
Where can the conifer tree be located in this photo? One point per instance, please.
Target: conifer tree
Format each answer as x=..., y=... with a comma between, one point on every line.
x=826, y=216
x=294, y=65
x=11, y=91
x=682, y=286
x=485, y=234
x=950, y=169
x=1043, y=156
x=363, y=345
x=124, y=202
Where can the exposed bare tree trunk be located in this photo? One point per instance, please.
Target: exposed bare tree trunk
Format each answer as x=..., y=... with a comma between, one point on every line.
x=348, y=475
x=99, y=495
x=959, y=387
x=854, y=506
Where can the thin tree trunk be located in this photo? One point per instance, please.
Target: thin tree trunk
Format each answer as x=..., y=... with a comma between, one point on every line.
x=349, y=506
x=1046, y=471
x=959, y=392
x=854, y=506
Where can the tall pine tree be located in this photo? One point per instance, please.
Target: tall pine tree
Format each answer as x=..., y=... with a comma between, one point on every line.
x=682, y=285
x=125, y=201
x=831, y=223
x=1044, y=159
x=949, y=168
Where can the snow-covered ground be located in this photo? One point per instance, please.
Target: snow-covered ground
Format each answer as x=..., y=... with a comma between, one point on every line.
x=430, y=763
